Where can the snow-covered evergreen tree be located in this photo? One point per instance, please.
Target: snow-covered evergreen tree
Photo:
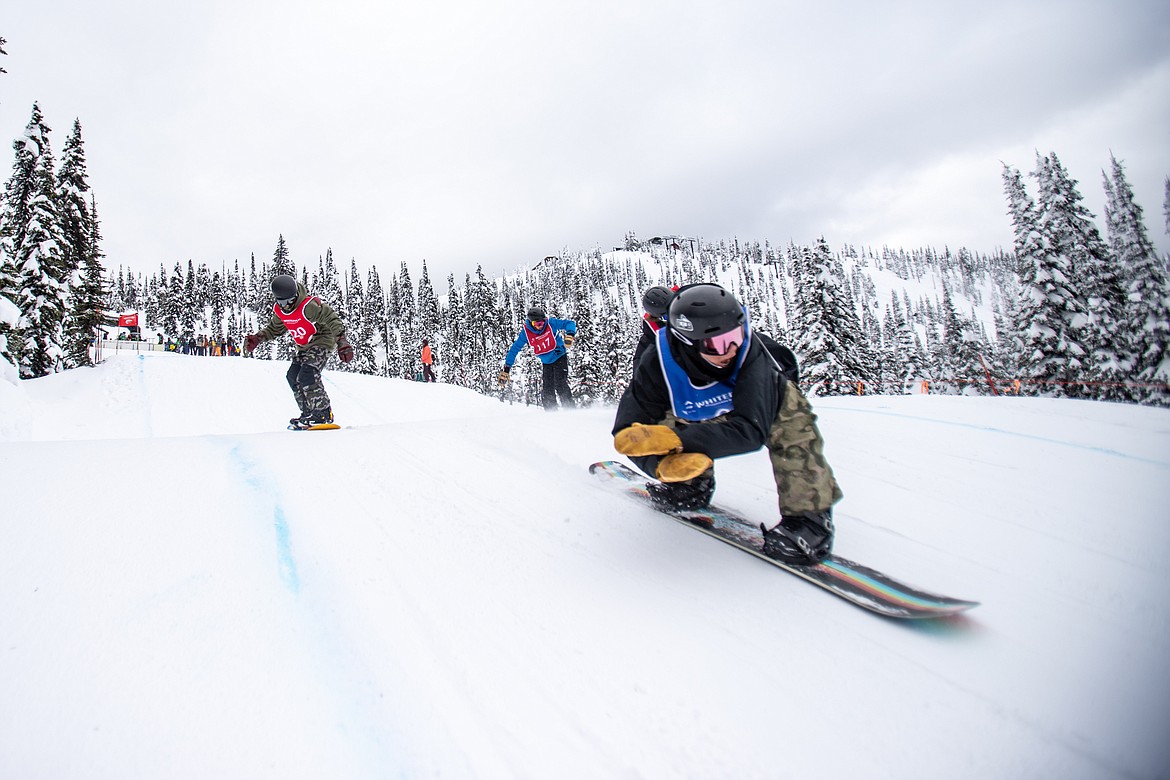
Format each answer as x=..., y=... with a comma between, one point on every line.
x=588, y=372
x=908, y=359
x=88, y=294
x=10, y=341
x=375, y=315
x=428, y=307
x=11, y=344
x=486, y=349
x=613, y=355
x=827, y=336
x=358, y=327
x=395, y=361
x=327, y=286
x=73, y=201
x=259, y=288
x=133, y=292
x=281, y=264
x=188, y=309
x=408, y=331
x=202, y=292
x=1146, y=315
x=1051, y=317
x=173, y=315
x=1166, y=206
x=1091, y=279
x=217, y=305
x=30, y=234
x=454, y=338
x=959, y=348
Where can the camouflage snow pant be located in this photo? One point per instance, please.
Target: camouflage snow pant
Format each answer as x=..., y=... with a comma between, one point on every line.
x=804, y=479
x=304, y=377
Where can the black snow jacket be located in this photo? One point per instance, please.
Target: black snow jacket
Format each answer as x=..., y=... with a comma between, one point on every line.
x=756, y=397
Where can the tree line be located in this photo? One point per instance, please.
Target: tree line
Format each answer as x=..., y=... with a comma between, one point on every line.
x=1069, y=312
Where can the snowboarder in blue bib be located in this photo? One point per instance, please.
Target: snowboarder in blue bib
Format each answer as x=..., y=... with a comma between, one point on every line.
x=550, y=340
x=709, y=388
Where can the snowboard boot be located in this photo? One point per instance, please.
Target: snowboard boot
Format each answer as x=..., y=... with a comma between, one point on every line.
x=805, y=539
x=693, y=494
x=313, y=417
x=317, y=416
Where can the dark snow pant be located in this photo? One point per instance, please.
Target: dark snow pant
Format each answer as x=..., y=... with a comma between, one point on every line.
x=304, y=377
x=428, y=374
x=556, y=384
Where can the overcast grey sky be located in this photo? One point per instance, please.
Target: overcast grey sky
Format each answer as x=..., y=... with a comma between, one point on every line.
x=468, y=131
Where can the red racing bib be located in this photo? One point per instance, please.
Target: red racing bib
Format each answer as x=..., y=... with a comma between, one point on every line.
x=301, y=329
x=543, y=342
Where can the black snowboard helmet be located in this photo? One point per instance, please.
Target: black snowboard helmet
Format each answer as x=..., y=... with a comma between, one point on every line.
x=656, y=301
x=701, y=311
x=284, y=290
x=536, y=314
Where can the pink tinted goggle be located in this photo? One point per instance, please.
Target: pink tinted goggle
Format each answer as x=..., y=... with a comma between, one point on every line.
x=722, y=344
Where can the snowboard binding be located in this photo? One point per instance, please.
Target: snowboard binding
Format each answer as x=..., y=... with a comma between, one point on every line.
x=800, y=540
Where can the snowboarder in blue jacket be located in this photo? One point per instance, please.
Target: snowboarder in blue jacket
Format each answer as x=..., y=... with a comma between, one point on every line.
x=550, y=340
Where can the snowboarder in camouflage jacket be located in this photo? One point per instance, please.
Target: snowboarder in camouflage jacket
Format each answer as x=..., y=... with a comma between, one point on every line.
x=317, y=330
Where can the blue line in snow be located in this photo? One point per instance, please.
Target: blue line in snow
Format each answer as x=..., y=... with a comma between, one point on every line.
x=148, y=411
x=1017, y=434
x=286, y=565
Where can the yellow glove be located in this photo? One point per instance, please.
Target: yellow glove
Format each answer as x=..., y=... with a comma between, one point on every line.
x=683, y=466
x=641, y=439
x=503, y=377
x=569, y=339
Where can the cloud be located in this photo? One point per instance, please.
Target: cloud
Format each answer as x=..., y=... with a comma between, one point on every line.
x=470, y=133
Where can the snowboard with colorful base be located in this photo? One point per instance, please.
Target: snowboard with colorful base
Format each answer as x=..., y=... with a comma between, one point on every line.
x=319, y=427
x=853, y=582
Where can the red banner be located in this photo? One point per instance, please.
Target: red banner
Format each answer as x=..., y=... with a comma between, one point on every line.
x=128, y=320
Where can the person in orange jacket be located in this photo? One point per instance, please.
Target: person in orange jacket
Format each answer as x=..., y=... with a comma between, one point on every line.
x=427, y=360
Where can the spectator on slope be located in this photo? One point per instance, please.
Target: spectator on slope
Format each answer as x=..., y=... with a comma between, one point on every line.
x=710, y=388
x=317, y=330
x=550, y=340
x=427, y=360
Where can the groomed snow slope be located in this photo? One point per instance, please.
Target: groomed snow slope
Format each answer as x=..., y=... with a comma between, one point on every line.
x=189, y=591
